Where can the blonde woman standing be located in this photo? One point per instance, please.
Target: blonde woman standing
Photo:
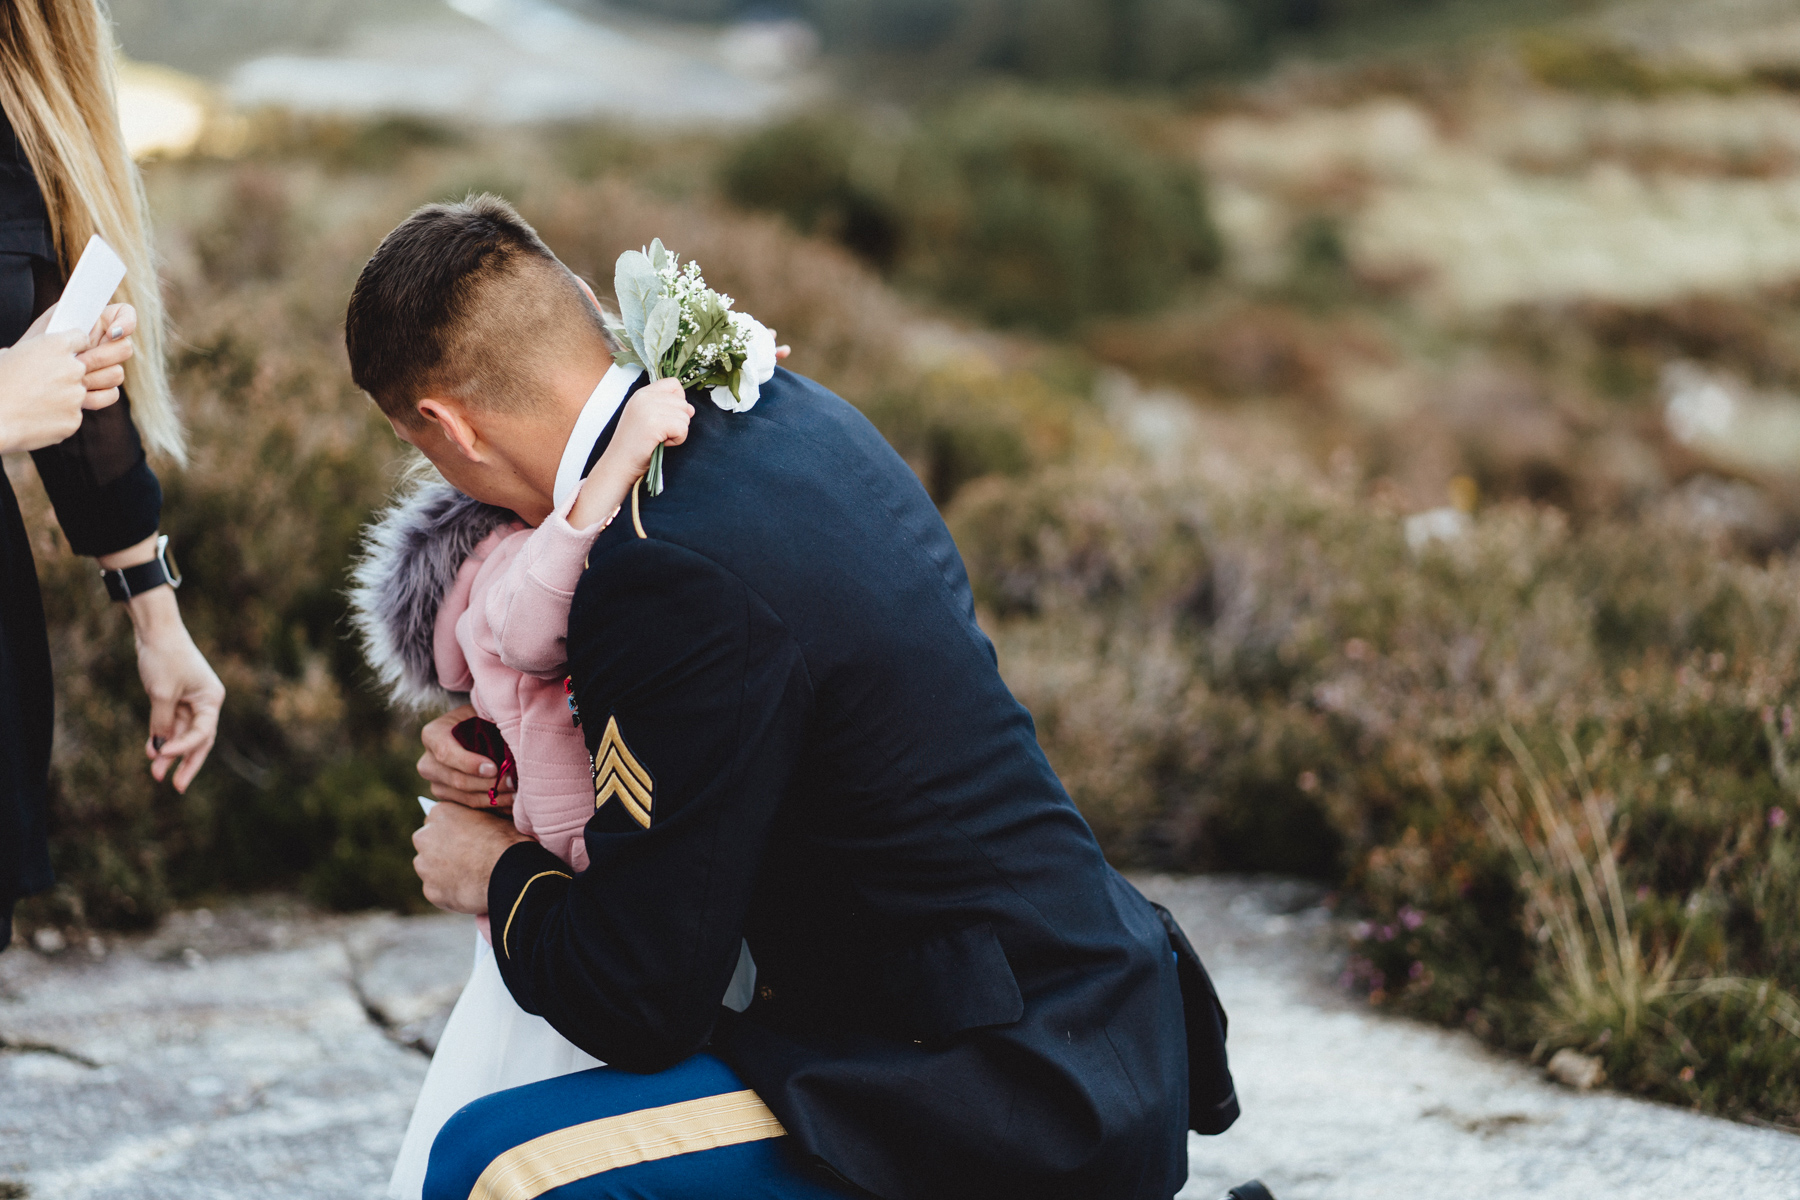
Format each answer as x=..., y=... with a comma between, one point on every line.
x=84, y=405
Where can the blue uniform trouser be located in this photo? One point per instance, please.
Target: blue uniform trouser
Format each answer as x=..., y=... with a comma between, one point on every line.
x=693, y=1132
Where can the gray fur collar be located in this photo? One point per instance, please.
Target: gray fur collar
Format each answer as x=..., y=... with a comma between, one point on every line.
x=410, y=556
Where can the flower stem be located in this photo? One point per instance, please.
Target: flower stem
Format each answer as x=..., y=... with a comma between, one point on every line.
x=653, y=479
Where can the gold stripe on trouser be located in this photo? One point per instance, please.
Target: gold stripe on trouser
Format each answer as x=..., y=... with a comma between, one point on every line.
x=625, y=1140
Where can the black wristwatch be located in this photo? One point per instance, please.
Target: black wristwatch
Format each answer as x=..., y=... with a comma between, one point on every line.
x=135, y=581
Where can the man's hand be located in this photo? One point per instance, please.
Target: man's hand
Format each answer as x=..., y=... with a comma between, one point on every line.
x=458, y=775
x=457, y=852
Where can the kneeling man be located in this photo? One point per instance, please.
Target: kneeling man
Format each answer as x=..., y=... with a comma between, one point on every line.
x=801, y=743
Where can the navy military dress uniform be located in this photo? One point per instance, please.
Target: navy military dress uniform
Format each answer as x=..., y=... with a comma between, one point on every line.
x=802, y=742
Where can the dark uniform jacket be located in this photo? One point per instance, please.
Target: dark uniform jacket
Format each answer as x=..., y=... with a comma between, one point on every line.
x=106, y=498
x=802, y=740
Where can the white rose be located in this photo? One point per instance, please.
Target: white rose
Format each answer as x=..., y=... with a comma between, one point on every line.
x=759, y=366
x=734, y=404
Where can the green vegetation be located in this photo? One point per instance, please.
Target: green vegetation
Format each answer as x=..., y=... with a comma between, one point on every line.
x=1025, y=211
x=1272, y=679
x=1130, y=42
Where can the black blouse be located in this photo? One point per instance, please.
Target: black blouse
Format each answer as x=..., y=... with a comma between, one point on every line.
x=106, y=498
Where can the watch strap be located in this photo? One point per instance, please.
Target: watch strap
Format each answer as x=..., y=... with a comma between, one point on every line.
x=125, y=582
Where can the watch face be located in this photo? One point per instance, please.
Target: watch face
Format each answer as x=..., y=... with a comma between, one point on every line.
x=168, y=559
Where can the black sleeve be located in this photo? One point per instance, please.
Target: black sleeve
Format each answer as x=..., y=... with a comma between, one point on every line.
x=105, y=494
x=696, y=700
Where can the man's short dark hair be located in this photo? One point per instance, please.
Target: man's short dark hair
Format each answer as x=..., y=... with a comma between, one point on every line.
x=463, y=300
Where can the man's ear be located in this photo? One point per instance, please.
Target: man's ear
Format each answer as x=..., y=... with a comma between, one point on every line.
x=452, y=423
x=598, y=307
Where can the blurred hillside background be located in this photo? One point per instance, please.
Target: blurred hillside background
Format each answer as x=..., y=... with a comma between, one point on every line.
x=1372, y=427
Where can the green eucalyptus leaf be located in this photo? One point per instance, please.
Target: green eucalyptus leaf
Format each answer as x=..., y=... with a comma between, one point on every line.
x=637, y=285
x=711, y=320
x=659, y=256
x=660, y=329
x=624, y=356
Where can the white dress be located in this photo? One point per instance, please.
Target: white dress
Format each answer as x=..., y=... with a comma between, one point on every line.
x=491, y=1044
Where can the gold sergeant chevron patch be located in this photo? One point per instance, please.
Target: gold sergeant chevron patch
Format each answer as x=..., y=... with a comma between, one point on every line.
x=617, y=772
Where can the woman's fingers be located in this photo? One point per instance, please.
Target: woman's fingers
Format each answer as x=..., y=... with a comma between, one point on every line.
x=191, y=762
x=105, y=373
x=195, y=729
x=164, y=751
x=117, y=322
x=105, y=377
x=162, y=732
x=105, y=366
x=107, y=355
x=191, y=738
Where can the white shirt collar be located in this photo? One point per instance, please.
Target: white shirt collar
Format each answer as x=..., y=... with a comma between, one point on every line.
x=600, y=407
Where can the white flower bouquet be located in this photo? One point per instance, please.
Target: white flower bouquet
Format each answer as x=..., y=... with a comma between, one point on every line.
x=675, y=327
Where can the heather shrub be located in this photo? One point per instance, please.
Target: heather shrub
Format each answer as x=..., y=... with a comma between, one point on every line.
x=1461, y=737
x=807, y=170
x=1611, y=69
x=1035, y=213
x=1021, y=209
x=1238, y=352
x=1129, y=42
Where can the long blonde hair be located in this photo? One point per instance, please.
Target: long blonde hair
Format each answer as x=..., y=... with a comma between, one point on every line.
x=57, y=86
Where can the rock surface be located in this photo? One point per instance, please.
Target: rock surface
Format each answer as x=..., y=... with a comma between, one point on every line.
x=266, y=1053
x=239, y=1056
x=1342, y=1102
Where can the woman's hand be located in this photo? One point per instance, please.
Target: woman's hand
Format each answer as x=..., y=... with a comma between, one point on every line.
x=42, y=389
x=185, y=694
x=456, y=774
x=109, y=348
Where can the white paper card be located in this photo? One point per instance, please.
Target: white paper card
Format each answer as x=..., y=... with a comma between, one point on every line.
x=427, y=805
x=90, y=288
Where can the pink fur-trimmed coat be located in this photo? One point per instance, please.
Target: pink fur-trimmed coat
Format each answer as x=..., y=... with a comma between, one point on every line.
x=458, y=597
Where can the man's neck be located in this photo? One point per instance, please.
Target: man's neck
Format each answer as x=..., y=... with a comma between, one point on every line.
x=532, y=444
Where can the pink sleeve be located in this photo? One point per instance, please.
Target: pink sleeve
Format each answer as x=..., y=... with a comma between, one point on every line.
x=447, y=653
x=528, y=607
